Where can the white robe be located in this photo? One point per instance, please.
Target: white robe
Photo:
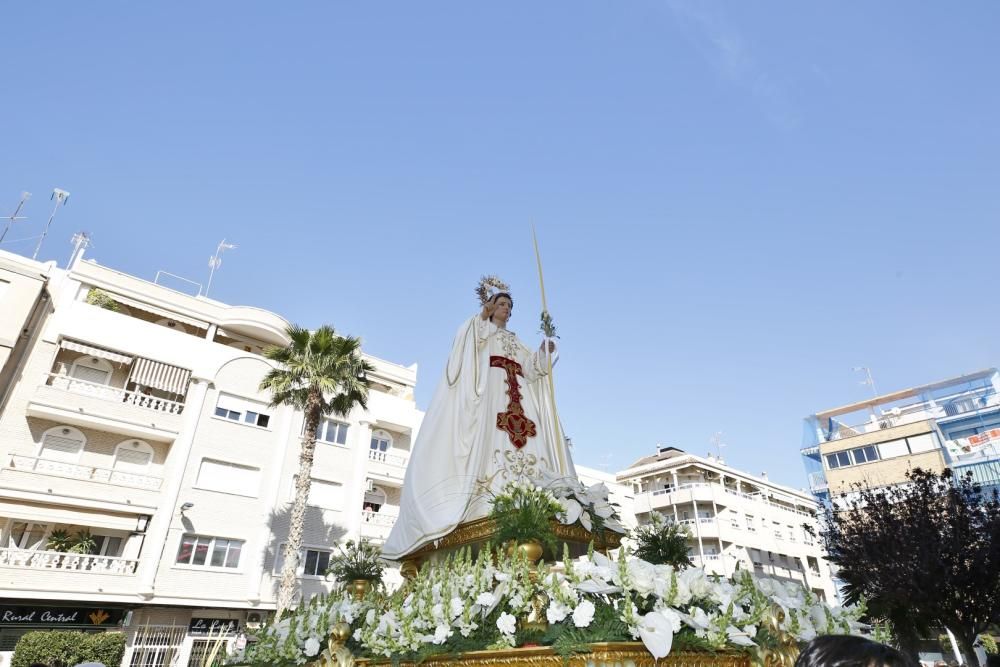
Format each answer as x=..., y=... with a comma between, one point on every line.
x=461, y=455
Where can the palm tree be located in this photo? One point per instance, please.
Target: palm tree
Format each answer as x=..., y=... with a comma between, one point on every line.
x=319, y=373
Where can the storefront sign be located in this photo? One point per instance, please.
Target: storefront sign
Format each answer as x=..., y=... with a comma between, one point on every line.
x=60, y=616
x=214, y=626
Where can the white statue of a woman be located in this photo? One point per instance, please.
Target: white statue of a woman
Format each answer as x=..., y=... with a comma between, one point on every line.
x=490, y=421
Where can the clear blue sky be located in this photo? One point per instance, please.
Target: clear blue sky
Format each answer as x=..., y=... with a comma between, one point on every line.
x=736, y=202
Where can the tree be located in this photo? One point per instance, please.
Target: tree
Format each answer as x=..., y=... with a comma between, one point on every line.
x=319, y=373
x=923, y=554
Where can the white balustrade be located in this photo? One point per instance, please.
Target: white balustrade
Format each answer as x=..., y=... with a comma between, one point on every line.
x=89, y=473
x=114, y=394
x=55, y=560
x=387, y=458
x=377, y=519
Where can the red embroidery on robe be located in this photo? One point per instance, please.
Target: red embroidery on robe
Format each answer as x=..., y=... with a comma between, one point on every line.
x=512, y=421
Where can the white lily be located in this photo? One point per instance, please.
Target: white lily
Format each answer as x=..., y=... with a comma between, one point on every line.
x=656, y=634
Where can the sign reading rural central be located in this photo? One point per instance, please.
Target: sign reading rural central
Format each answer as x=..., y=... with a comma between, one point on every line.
x=25, y=615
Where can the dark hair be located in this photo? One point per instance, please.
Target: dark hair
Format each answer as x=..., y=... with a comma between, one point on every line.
x=500, y=294
x=850, y=651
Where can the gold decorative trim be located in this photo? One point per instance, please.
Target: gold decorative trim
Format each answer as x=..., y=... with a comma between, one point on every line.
x=613, y=653
x=482, y=530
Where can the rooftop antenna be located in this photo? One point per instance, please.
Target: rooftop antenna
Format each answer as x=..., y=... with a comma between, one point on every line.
x=61, y=197
x=80, y=241
x=868, y=381
x=215, y=261
x=14, y=217
x=716, y=440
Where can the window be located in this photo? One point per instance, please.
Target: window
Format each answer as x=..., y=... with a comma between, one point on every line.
x=133, y=456
x=202, y=551
x=381, y=441
x=838, y=460
x=242, y=410
x=893, y=448
x=62, y=443
x=312, y=562
x=228, y=478
x=328, y=495
x=331, y=431
x=864, y=454
x=922, y=443
x=750, y=525
x=108, y=545
x=92, y=369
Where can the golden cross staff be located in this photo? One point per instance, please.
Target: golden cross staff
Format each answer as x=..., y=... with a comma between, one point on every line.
x=547, y=327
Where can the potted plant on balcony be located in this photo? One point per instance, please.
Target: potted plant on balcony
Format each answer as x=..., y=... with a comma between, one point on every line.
x=358, y=565
x=59, y=540
x=523, y=514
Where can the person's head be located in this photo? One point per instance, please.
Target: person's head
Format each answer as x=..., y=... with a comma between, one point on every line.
x=850, y=651
x=504, y=304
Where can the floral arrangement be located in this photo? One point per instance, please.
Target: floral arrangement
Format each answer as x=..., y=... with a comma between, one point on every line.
x=495, y=601
x=662, y=541
x=587, y=505
x=357, y=560
x=524, y=512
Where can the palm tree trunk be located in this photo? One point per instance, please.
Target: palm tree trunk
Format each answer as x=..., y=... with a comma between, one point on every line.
x=289, y=572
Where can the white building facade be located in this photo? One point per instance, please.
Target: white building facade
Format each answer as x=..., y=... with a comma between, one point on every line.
x=130, y=417
x=736, y=520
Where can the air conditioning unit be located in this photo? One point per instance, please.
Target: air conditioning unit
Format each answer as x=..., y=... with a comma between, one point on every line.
x=369, y=485
x=254, y=620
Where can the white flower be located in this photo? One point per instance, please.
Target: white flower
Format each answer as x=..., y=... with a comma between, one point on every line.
x=556, y=611
x=441, y=634
x=507, y=624
x=312, y=647
x=457, y=607
x=642, y=576
x=583, y=614
x=486, y=599
x=585, y=520
x=738, y=637
x=370, y=617
x=571, y=511
x=656, y=634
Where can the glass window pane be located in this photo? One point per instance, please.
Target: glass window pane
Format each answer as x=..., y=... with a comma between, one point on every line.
x=323, y=563
x=843, y=458
x=871, y=454
x=342, y=434
x=187, y=548
x=374, y=443
x=310, y=566
x=221, y=412
x=200, y=551
x=251, y=417
x=859, y=455
x=113, y=547
x=831, y=461
x=233, y=557
x=262, y=420
x=219, y=553
x=319, y=432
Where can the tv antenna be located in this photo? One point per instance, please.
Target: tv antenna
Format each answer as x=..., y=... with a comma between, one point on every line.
x=61, y=197
x=215, y=261
x=80, y=241
x=868, y=377
x=716, y=440
x=14, y=217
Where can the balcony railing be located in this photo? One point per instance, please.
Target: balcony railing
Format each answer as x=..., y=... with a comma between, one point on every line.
x=377, y=519
x=114, y=394
x=89, y=473
x=387, y=458
x=54, y=560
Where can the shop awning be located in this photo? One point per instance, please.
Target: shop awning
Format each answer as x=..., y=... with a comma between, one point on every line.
x=96, y=352
x=158, y=375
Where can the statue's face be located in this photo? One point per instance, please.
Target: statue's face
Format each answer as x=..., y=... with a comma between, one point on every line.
x=502, y=313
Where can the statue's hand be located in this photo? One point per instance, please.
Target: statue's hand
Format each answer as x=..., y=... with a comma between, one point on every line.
x=552, y=346
x=488, y=309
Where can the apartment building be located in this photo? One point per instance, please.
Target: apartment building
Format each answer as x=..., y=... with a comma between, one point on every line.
x=132, y=427
x=736, y=520
x=951, y=423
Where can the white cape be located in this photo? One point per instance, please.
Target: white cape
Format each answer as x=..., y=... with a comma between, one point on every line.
x=461, y=456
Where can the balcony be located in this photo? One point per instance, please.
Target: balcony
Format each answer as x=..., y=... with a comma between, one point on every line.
x=89, y=473
x=67, y=562
x=387, y=468
x=78, y=402
x=375, y=526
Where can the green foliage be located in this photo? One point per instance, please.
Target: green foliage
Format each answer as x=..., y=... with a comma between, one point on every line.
x=663, y=542
x=81, y=543
x=357, y=560
x=523, y=512
x=548, y=327
x=59, y=540
x=70, y=648
x=101, y=299
x=989, y=644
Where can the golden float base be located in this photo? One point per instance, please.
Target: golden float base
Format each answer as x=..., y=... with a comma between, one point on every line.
x=622, y=654
x=483, y=530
